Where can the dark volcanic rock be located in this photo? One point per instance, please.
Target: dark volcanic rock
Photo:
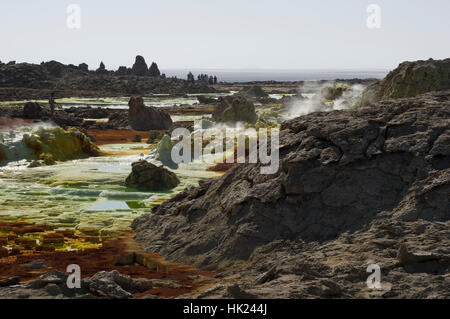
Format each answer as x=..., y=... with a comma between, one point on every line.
x=101, y=68
x=381, y=173
x=25, y=81
x=140, y=67
x=232, y=109
x=83, y=67
x=32, y=110
x=410, y=79
x=143, y=118
x=23, y=75
x=147, y=176
x=154, y=70
x=253, y=92
x=55, y=68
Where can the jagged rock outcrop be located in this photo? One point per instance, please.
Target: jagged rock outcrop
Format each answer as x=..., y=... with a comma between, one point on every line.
x=144, y=118
x=232, y=109
x=146, y=176
x=123, y=70
x=140, y=67
x=352, y=186
x=101, y=68
x=154, y=70
x=83, y=67
x=26, y=81
x=410, y=79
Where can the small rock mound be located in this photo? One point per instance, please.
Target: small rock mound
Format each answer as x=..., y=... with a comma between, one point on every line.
x=146, y=176
x=32, y=110
x=232, y=109
x=254, y=91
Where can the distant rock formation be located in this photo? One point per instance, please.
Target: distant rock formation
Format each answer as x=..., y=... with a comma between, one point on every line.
x=232, y=109
x=70, y=80
x=144, y=118
x=123, y=70
x=23, y=75
x=55, y=68
x=154, y=71
x=83, y=67
x=101, y=68
x=146, y=176
x=254, y=91
x=140, y=67
x=410, y=79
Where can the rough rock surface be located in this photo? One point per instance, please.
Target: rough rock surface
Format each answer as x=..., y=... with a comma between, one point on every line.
x=53, y=285
x=410, y=79
x=32, y=110
x=353, y=187
x=140, y=67
x=143, y=118
x=253, y=92
x=232, y=109
x=146, y=176
x=154, y=70
x=23, y=81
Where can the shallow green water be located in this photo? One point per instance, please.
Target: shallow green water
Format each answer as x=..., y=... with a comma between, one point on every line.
x=86, y=195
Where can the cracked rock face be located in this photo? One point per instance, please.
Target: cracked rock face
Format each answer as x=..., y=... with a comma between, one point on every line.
x=410, y=79
x=371, y=173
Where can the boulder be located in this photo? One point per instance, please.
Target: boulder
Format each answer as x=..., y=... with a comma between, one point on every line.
x=32, y=110
x=140, y=67
x=232, y=109
x=143, y=118
x=147, y=176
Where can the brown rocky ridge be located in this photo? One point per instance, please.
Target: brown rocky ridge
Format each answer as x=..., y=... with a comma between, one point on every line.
x=354, y=188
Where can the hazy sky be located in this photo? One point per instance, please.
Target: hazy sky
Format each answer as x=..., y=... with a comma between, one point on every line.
x=249, y=34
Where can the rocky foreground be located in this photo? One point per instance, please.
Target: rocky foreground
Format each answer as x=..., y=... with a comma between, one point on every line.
x=355, y=187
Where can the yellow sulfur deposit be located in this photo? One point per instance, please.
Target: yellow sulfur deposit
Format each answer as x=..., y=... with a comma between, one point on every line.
x=55, y=144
